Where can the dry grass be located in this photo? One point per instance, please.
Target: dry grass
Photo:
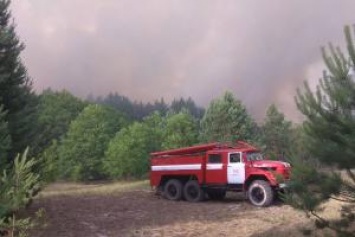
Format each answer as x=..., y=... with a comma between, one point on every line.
x=79, y=189
x=280, y=220
x=253, y=222
x=140, y=213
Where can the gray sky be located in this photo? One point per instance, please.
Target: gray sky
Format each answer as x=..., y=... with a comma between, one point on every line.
x=261, y=50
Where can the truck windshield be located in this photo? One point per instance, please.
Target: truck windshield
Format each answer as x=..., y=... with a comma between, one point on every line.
x=254, y=156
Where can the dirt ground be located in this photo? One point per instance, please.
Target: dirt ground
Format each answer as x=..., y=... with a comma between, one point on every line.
x=139, y=212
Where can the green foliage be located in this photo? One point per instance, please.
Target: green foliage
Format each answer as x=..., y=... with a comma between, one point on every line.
x=5, y=140
x=299, y=144
x=330, y=138
x=139, y=110
x=180, y=130
x=183, y=105
x=15, y=86
x=320, y=186
x=50, y=162
x=329, y=112
x=156, y=124
x=55, y=112
x=17, y=189
x=128, y=153
x=276, y=133
x=82, y=150
x=133, y=109
x=226, y=119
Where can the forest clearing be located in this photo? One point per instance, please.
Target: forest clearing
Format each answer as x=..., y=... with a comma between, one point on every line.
x=203, y=97
x=132, y=209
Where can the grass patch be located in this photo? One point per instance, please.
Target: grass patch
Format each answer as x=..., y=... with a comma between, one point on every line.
x=104, y=188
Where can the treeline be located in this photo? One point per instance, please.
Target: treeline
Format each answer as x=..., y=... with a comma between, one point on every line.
x=97, y=139
x=85, y=140
x=111, y=137
x=138, y=110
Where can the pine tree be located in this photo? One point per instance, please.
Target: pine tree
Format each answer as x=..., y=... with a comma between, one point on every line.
x=5, y=141
x=15, y=86
x=17, y=189
x=330, y=132
x=189, y=105
x=276, y=133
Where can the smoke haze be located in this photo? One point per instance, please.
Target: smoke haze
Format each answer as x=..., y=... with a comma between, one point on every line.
x=261, y=50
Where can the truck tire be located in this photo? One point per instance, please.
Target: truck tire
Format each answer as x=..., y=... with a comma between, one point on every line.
x=260, y=193
x=216, y=194
x=173, y=190
x=193, y=191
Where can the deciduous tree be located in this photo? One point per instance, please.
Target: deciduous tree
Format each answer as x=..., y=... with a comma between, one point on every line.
x=127, y=155
x=181, y=130
x=56, y=110
x=82, y=150
x=226, y=119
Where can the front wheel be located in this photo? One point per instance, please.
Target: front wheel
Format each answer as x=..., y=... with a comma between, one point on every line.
x=193, y=191
x=260, y=193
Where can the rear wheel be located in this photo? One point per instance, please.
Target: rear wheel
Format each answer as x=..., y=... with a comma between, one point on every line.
x=173, y=190
x=193, y=191
x=260, y=193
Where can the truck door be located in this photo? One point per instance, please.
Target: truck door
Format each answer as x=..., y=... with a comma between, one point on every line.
x=235, y=168
x=216, y=169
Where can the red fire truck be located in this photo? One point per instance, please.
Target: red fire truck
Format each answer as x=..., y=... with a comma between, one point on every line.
x=192, y=173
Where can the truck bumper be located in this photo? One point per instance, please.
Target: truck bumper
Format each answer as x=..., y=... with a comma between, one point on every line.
x=283, y=185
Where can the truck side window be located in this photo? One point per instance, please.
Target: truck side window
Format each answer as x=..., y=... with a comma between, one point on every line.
x=214, y=158
x=234, y=158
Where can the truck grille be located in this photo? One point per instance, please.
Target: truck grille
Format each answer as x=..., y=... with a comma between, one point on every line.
x=287, y=173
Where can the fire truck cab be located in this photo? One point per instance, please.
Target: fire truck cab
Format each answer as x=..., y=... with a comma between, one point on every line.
x=210, y=170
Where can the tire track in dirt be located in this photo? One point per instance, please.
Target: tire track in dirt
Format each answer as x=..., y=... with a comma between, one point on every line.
x=141, y=213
